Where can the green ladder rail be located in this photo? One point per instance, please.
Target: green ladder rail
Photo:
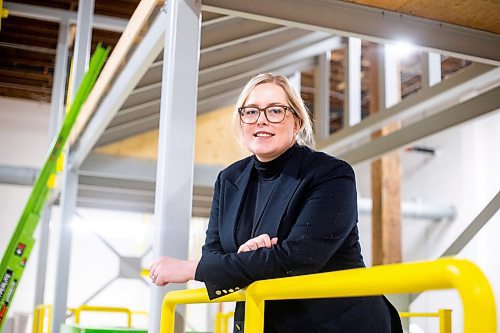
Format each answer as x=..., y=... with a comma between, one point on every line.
x=21, y=243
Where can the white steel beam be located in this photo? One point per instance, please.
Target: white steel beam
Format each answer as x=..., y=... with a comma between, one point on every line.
x=304, y=53
x=449, y=92
x=322, y=95
x=217, y=98
x=68, y=206
x=302, y=47
x=230, y=29
x=70, y=186
x=60, y=15
x=352, y=94
x=174, y=180
x=368, y=23
x=132, y=72
x=474, y=227
x=477, y=106
x=244, y=47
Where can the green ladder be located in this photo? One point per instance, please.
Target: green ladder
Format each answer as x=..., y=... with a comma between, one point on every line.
x=21, y=243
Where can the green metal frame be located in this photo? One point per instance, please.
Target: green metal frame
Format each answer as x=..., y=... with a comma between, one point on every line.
x=21, y=243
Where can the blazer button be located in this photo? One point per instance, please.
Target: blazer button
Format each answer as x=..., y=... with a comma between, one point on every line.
x=218, y=292
x=224, y=291
x=237, y=288
x=231, y=290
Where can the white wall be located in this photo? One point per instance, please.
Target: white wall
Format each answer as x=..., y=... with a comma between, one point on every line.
x=23, y=142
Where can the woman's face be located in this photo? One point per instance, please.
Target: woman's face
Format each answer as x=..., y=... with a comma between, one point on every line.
x=269, y=140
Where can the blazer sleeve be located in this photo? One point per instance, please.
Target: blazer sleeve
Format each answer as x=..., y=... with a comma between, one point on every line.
x=327, y=216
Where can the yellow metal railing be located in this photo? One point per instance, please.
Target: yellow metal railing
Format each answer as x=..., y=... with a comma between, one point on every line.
x=39, y=315
x=43, y=315
x=221, y=321
x=444, y=316
x=462, y=275
x=90, y=308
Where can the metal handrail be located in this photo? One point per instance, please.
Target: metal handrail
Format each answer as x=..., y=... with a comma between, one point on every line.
x=90, y=308
x=444, y=316
x=462, y=275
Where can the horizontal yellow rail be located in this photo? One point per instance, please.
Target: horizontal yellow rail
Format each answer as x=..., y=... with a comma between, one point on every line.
x=444, y=316
x=462, y=275
x=90, y=308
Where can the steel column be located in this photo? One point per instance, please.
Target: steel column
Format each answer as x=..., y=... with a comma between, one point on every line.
x=70, y=184
x=174, y=177
x=68, y=206
x=56, y=116
x=431, y=69
x=352, y=95
x=322, y=96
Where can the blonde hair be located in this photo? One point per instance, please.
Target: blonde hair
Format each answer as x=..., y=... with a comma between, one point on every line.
x=304, y=136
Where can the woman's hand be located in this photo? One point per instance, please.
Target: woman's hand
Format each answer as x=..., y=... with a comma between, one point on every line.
x=260, y=241
x=165, y=270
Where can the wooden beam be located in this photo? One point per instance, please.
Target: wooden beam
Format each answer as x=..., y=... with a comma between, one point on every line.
x=386, y=183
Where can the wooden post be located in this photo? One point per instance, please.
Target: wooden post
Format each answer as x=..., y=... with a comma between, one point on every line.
x=386, y=180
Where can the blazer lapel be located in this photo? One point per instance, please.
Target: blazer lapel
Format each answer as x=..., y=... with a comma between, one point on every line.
x=282, y=193
x=233, y=200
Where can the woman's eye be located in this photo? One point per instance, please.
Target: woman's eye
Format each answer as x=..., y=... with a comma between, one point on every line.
x=251, y=111
x=276, y=110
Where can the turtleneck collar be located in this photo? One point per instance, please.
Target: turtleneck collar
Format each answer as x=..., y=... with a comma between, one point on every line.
x=271, y=169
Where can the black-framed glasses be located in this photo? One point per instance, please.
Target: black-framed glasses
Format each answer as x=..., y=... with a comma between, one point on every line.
x=273, y=113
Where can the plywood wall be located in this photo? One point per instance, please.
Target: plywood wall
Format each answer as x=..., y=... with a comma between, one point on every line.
x=477, y=14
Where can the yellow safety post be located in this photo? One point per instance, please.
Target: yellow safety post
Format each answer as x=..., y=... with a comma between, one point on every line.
x=467, y=278
x=444, y=320
x=82, y=308
x=190, y=296
x=4, y=12
x=218, y=322
x=221, y=321
x=41, y=311
x=444, y=316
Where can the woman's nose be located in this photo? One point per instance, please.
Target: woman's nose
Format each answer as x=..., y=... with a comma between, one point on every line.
x=262, y=117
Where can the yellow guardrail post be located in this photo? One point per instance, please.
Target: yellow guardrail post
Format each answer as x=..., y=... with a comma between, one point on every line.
x=190, y=296
x=218, y=322
x=470, y=282
x=225, y=318
x=444, y=321
x=221, y=321
x=41, y=311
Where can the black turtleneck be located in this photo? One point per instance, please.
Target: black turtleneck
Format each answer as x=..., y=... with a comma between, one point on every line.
x=260, y=187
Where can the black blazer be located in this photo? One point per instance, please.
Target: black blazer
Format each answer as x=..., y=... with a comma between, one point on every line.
x=313, y=212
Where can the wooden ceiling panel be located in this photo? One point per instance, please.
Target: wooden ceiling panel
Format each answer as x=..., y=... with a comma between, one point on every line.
x=477, y=14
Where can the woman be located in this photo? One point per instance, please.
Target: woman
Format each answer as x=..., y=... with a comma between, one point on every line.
x=287, y=210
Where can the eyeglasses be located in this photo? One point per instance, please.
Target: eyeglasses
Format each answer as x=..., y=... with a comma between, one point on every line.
x=273, y=113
